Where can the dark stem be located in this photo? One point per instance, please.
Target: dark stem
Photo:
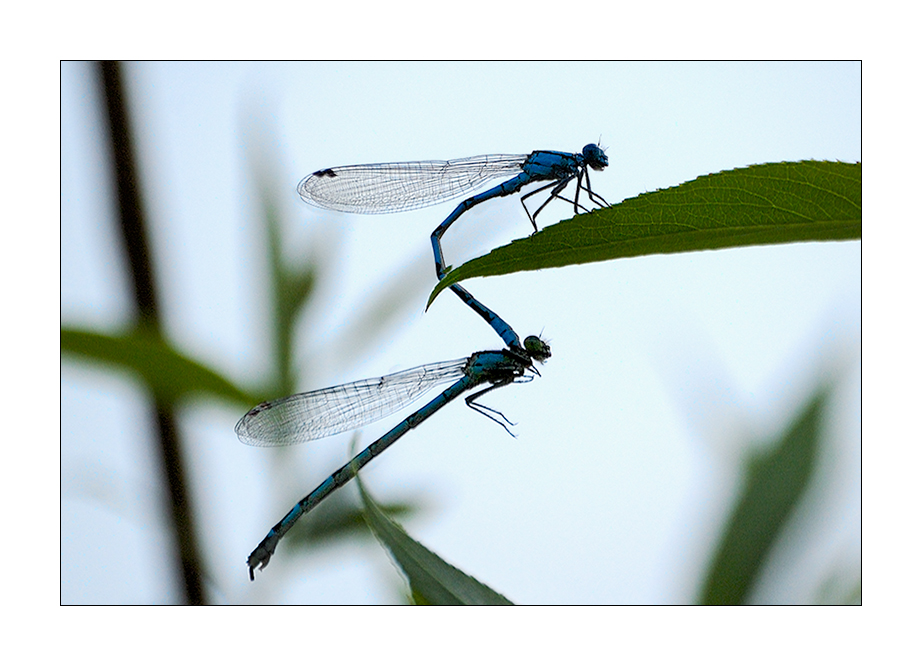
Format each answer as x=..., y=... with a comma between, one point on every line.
x=134, y=238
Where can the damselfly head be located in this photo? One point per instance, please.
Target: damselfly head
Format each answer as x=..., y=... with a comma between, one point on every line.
x=595, y=157
x=537, y=348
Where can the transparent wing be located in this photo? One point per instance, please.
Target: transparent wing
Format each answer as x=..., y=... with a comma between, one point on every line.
x=307, y=416
x=391, y=187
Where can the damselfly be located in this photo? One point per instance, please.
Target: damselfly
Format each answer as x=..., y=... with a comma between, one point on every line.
x=308, y=416
x=392, y=187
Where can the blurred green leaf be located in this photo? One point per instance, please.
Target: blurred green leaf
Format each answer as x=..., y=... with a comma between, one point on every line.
x=766, y=204
x=291, y=289
x=168, y=373
x=841, y=587
x=775, y=483
x=432, y=579
x=340, y=519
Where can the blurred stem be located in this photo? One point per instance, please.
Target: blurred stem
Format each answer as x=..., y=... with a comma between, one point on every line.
x=134, y=237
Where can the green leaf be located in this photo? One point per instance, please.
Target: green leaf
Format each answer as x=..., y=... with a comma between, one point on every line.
x=169, y=374
x=775, y=483
x=338, y=518
x=432, y=579
x=766, y=204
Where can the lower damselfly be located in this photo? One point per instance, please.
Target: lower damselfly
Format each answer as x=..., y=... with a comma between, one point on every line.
x=308, y=416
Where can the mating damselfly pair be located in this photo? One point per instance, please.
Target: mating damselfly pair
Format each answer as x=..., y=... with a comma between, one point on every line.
x=395, y=187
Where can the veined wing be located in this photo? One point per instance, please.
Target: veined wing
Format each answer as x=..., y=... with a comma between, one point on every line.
x=307, y=416
x=391, y=187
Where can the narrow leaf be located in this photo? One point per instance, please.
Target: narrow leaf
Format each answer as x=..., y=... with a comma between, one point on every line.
x=338, y=518
x=776, y=481
x=432, y=579
x=169, y=374
x=766, y=204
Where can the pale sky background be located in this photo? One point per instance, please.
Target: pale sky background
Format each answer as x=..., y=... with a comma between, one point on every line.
x=628, y=447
